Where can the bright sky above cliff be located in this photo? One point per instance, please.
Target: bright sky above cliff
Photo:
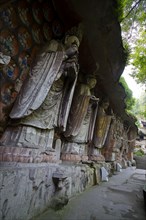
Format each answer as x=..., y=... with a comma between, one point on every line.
x=137, y=89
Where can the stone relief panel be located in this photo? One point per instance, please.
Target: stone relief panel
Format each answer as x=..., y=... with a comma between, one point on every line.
x=25, y=26
x=80, y=124
x=117, y=144
x=101, y=129
x=24, y=29
x=42, y=98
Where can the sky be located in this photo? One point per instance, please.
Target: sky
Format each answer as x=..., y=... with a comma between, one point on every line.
x=137, y=89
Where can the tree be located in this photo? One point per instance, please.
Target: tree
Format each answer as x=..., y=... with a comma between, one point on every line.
x=133, y=24
x=130, y=101
x=138, y=59
x=139, y=109
x=133, y=17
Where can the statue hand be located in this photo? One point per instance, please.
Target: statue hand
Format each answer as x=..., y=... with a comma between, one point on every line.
x=71, y=51
x=93, y=98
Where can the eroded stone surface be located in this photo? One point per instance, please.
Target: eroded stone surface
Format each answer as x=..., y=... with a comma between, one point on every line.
x=30, y=188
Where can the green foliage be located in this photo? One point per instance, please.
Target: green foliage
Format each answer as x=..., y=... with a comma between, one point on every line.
x=139, y=59
x=139, y=108
x=133, y=12
x=130, y=101
x=127, y=52
x=133, y=25
x=140, y=153
x=119, y=9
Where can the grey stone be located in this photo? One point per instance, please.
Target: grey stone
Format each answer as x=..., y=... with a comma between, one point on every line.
x=59, y=203
x=59, y=175
x=30, y=188
x=4, y=59
x=118, y=167
x=104, y=174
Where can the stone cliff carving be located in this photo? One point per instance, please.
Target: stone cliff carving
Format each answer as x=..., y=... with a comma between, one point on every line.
x=102, y=126
x=79, y=107
x=81, y=122
x=43, y=103
x=100, y=132
x=4, y=59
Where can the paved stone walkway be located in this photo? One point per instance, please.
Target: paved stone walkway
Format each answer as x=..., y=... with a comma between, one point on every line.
x=121, y=198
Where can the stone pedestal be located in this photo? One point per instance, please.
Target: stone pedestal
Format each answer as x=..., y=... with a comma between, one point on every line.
x=70, y=157
x=96, y=155
x=73, y=157
x=97, y=158
x=27, y=155
x=74, y=152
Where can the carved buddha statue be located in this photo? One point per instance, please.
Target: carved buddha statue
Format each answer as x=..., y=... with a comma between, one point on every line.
x=45, y=98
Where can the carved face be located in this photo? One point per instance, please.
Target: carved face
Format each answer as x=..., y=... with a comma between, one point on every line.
x=91, y=82
x=69, y=40
x=105, y=105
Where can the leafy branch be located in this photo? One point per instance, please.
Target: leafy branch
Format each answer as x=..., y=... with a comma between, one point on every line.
x=136, y=4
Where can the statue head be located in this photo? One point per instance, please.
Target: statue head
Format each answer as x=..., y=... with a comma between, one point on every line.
x=74, y=35
x=69, y=40
x=91, y=82
x=105, y=104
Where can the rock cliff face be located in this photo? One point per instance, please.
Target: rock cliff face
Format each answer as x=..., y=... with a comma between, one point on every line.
x=62, y=107
x=101, y=47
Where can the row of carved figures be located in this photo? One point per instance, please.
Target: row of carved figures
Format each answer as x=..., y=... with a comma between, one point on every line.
x=55, y=115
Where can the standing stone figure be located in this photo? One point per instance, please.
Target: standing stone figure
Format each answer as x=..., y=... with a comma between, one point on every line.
x=100, y=132
x=42, y=98
x=79, y=118
x=79, y=107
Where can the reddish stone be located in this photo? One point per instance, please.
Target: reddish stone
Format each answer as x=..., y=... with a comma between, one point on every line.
x=1, y=156
x=45, y=158
x=30, y=159
x=98, y=158
x=48, y=158
x=7, y=157
x=68, y=157
x=37, y=159
x=77, y=158
x=13, y=150
x=6, y=149
x=26, y=159
x=16, y=150
x=63, y=157
x=24, y=151
x=51, y=159
x=21, y=159
x=84, y=158
x=15, y=158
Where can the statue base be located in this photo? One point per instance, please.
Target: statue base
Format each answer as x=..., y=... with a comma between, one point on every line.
x=27, y=155
x=73, y=157
x=97, y=158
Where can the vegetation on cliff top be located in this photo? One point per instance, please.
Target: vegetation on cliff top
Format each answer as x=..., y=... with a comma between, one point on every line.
x=132, y=17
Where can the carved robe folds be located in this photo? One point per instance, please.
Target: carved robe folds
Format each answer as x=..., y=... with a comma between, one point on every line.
x=44, y=95
x=81, y=116
x=100, y=133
